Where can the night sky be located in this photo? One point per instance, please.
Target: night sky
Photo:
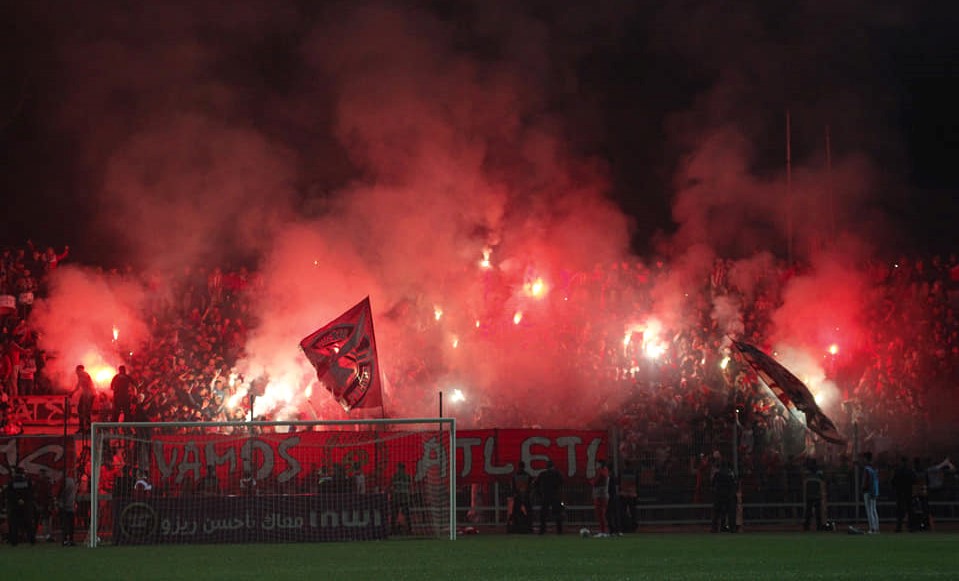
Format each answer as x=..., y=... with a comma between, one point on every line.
x=649, y=102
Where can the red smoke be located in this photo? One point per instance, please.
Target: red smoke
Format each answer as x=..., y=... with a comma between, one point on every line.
x=443, y=157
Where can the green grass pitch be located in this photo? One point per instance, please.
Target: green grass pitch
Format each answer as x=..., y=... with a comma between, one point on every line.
x=779, y=556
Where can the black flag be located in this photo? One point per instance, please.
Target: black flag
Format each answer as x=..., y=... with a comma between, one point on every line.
x=792, y=392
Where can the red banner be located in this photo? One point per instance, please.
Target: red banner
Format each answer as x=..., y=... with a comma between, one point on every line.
x=295, y=461
x=33, y=453
x=485, y=455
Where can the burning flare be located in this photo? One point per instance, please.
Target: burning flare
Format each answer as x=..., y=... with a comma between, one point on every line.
x=485, y=262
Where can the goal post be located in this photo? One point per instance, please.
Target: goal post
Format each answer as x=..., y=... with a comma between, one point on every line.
x=271, y=481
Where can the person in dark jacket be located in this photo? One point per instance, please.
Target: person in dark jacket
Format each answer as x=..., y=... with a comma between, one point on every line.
x=520, y=518
x=814, y=492
x=724, y=499
x=122, y=387
x=20, y=508
x=548, y=484
x=902, y=480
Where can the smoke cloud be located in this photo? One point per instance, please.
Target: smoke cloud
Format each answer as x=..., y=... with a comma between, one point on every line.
x=386, y=149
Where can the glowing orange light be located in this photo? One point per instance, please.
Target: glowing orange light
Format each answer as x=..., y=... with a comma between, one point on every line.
x=485, y=263
x=536, y=288
x=456, y=342
x=116, y=333
x=834, y=349
x=652, y=345
x=102, y=374
x=437, y=312
x=654, y=350
x=517, y=317
x=477, y=324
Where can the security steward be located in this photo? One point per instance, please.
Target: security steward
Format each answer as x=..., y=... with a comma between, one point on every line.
x=20, y=508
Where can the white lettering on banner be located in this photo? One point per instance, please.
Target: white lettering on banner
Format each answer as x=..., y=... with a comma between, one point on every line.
x=212, y=525
x=10, y=451
x=529, y=452
x=188, y=458
x=190, y=463
x=349, y=519
x=328, y=518
x=165, y=466
x=467, y=445
x=248, y=451
x=31, y=463
x=275, y=520
x=212, y=459
x=528, y=456
x=179, y=528
x=434, y=455
x=293, y=467
x=31, y=466
x=591, y=452
x=570, y=443
x=488, y=460
x=575, y=452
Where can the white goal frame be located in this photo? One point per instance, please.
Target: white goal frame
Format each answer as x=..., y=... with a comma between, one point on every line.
x=97, y=429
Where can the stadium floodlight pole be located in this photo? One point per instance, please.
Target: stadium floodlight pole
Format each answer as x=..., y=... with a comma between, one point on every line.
x=441, y=404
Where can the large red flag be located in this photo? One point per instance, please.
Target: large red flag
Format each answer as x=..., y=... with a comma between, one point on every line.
x=344, y=354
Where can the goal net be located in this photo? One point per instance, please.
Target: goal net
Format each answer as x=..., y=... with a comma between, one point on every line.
x=260, y=482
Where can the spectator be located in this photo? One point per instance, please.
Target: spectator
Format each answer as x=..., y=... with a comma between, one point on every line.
x=87, y=396
x=67, y=507
x=122, y=387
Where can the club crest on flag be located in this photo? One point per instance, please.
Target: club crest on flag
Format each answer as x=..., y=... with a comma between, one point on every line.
x=343, y=352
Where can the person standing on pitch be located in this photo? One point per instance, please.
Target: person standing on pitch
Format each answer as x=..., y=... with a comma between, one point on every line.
x=600, y=484
x=870, y=492
x=548, y=483
x=401, y=489
x=520, y=518
x=902, y=480
x=724, y=499
x=20, y=508
x=814, y=489
x=68, y=508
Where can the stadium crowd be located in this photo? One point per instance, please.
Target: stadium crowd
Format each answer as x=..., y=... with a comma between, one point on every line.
x=684, y=401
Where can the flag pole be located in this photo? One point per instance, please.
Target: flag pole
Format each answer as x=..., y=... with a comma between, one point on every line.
x=441, y=404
